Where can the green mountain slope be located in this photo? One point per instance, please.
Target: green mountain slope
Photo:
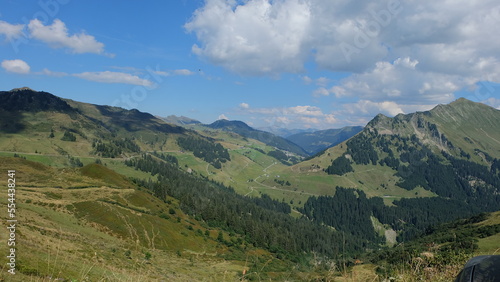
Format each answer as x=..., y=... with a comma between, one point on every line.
x=384, y=185
x=61, y=132
x=246, y=131
x=43, y=123
x=314, y=142
x=442, y=251
x=409, y=169
x=94, y=224
x=461, y=127
x=181, y=121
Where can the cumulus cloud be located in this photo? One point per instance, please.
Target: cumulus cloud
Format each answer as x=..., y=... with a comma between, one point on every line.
x=10, y=30
x=321, y=92
x=298, y=116
x=322, y=81
x=399, y=56
x=16, y=66
x=402, y=81
x=57, y=36
x=372, y=108
x=222, y=116
x=304, y=111
x=267, y=37
x=115, y=77
x=256, y=37
x=362, y=111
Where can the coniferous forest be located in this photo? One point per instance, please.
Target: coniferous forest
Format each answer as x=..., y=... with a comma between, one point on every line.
x=465, y=188
x=263, y=222
x=210, y=152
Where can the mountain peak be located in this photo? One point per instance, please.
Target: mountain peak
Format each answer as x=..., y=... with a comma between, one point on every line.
x=246, y=131
x=22, y=89
x=460, y=103
x=224, y=123
x=27, y=99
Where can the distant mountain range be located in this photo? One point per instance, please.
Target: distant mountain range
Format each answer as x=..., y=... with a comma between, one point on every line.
x=285, y=132
x=246, y=131
x=317, y=141
x=311, y=141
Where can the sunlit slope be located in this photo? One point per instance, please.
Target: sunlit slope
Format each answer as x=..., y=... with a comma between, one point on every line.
x=463, y=129
x=473, y=127
x=93, y=224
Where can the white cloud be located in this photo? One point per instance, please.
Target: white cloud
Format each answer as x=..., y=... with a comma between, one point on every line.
x=257, y=37
x=304, y=111
x=162, y=73
x=338, y=91
x=363, y=111
x=322, y=81
x=321, y=92
x=400, y=81
x=114, y=77
x=493, y=102
x=372, y=108
x=331, y=119
x=309, y=120
x=16, y=66
x=400, y=56
x=10, y=30
x=222, y=116
x=174, y=72
x=448, y=39
x=52, y=73
x=306, y=79
x=56, y=35
x=298, y=116
x=183, y=72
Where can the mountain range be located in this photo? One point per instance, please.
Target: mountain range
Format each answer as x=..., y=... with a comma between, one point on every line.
x=317, y=141
x=246, y=131
x=173, y=190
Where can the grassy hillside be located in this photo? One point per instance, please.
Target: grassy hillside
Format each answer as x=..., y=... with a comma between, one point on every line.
x=93, y=224
x=410, y=163
x=456, y=128
x=403, y=174
x=442, y=252
x=246, y=131
x=459, y=128
x=474, y=133
x=45, y=124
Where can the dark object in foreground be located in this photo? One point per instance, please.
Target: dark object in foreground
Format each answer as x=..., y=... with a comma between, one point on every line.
x=481, y=268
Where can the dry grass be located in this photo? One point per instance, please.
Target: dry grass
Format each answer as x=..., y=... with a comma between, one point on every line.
x=55, y=242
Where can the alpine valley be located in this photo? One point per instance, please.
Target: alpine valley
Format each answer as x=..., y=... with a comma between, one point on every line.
x=108, y=194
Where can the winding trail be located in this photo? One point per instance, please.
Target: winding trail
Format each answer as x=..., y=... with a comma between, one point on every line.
x=489, y=135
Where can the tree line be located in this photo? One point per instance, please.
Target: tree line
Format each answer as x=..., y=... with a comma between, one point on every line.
x=262, y=222
x=213, y=153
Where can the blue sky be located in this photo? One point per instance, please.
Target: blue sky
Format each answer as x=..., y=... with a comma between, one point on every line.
x=271, y=63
